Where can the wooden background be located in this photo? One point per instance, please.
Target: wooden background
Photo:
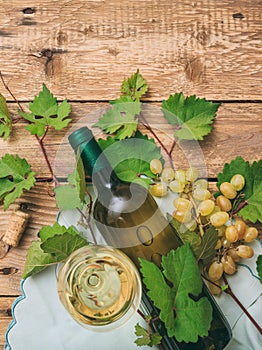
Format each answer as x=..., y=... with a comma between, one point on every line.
x=82, y=50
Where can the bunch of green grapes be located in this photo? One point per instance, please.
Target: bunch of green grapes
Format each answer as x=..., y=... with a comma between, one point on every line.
x=197, y=209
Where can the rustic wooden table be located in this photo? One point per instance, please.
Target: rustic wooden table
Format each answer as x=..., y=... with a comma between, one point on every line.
x=82, y=50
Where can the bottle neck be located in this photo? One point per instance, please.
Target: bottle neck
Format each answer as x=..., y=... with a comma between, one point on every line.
x=95, y=163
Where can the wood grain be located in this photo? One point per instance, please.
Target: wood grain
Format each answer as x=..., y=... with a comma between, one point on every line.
x=5, y=316
x=83, y=49
x=237, y=131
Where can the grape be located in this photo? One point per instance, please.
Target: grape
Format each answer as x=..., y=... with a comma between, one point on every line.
x=250, y=234
x=233, y=253
x=176, y=186
x=201, y=194
x=191, y=225
x=215, y=289
x=182, y=216
x=231, y=233
x=201, y=183
x=228, y=190
x=156, y=166
x=224, y=203
x=206, y=207
x=215, y=210
x=226, y=243
x=215, y=271
x=182, y=204
x=240, y=227
x=219, y=244
x=168, y=174
x=180, y=175
x=244, y=251
x=159, y=190
x=238, y=182
x=219, y=219
x=229, y=265
x=221, y=230
x=191, y=174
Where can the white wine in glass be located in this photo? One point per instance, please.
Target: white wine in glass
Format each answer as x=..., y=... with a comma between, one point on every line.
x=100, y=287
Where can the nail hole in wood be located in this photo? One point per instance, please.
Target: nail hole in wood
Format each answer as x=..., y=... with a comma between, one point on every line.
x=28, y=10
x=238, y=15
x=9, y=312
x=47, y=53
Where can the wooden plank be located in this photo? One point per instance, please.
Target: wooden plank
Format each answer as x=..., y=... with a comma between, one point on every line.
x=5, y=316
x=42, y=209
x=237, y=131
x=83, y=49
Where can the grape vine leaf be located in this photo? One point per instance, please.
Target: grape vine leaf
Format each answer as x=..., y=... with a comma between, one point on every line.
x=45, y=111
x=5, y=119
x=203, y=247
x=184, y=318
x=131, y=157
x=15, y=176
x=135, y=86
x=58, y=243
x=259, y=267
x=61, y=246
x=192, y=116
x=72, y=195
x=145, y=337
x=36, y=260
x=253, y=186
x=56, y=229
x=67, y=197
x=121, y=118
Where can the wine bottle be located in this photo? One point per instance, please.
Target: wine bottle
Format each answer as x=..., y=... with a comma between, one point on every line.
x=129, y=218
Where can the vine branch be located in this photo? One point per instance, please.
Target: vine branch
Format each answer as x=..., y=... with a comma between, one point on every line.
x=39, y=140
x=229, y=291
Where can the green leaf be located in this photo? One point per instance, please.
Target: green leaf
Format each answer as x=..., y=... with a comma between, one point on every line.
x=57, y=243
x=253, y=186
x=184, y=318
x=61, y=246
x=45, y=111
x=121, y=118
x=253, y=211
x=55, y=229
x=135, y=86
x=5, y=119
x=72, y=195
x=78, y=178
x=205, y=251
x=145, y=337
x=36, y=260
x=192, y=116
x=131, y=157
x=15, y=176
x=259, y=267
x=203, y=247
x=67, y=197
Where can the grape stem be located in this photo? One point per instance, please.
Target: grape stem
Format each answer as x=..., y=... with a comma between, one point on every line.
x=88, y=216
x=168, y=152
x=39, y=139
x=197, y=217
x=240, y=206
x=229, y=291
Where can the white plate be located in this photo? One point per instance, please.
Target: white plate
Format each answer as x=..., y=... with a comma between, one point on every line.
x=40, y=321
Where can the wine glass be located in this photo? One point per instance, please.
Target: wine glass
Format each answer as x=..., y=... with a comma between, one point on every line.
x=100, y=287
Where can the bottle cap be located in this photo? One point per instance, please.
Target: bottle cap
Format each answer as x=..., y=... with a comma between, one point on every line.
x=79, y=136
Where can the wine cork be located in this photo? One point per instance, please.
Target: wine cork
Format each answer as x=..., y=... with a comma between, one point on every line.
x=16, y=227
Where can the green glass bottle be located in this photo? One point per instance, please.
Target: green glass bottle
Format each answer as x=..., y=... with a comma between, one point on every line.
x=129, y=218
